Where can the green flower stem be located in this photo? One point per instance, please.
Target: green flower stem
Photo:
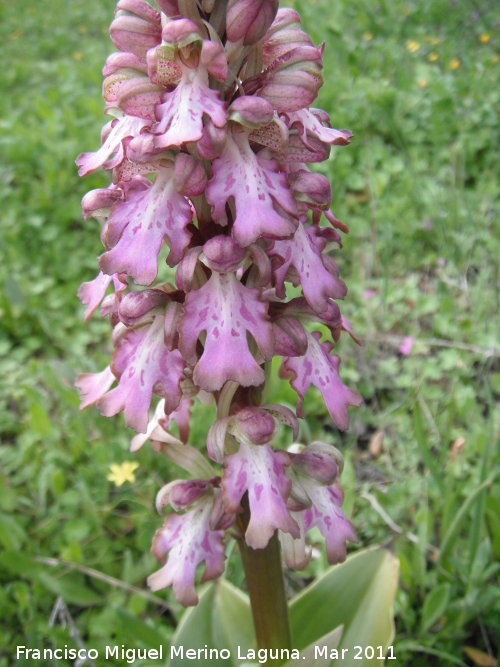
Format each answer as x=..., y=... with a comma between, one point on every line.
x=266, y=587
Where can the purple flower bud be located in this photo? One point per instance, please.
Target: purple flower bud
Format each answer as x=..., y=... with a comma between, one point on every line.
x=317, y=465
x=212, y=141
x=136, y=27
x=168, y=7
x=222, y=254
x=98, y=203
x=251, y=111
x=249, y=19
x=311, y=187
x=182, y=493
x=181, y=32
x=284, y=35
x=214, y=59
x=256, y=425
x=137, y=304
x=190, y=178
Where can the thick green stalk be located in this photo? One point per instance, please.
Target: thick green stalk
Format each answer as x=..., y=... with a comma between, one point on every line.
x=266, y=587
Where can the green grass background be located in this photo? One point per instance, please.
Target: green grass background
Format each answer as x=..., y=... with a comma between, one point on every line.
x=418, y=82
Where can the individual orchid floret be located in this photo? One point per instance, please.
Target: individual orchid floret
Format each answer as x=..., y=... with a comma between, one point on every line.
x=180, y=116
x=264, y=205
x=112, y=138
x=259, y=471
x=248, y=20
x=136, y=27
x=92, y=293
x=138, y=227
x=314, y=122
x=320, y=368
x=142, y=363
x=326, y=513
x=92, y=386
x=188, y=540
x=225, y=310
x=316, y=273
x=316, y=498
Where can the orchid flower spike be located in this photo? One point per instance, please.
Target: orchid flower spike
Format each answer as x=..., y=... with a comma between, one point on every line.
x=207, y=147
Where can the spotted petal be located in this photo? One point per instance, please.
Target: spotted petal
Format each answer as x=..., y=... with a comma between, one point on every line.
x=303, y=253
x=258, y=470
x=141, y=361
x=117, y=131
x=188, y=540
x=309, y=121
x=326, y=513
x=180, y=117
x=264, y=203
x=138, y=226
x=319, y=368
x=225, y=309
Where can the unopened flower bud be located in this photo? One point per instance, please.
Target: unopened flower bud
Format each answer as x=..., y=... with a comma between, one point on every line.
x=136, y=304
x=136, y=27
x=249, y=19
x=223, y=254
x=190, y=178
x=251, y=111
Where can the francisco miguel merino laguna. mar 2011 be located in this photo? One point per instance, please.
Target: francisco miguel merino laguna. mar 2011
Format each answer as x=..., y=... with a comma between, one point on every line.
x=130, y=655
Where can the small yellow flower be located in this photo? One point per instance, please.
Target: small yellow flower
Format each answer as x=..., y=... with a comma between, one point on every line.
x=122, y=473
x=485, y=37
x=434, y=40
x=82, y=29
x=422, y=83
x=432, y=57
x=406, y=11
x=495, y=58
x=412, y=46
x=368, y=36
x=455, y=63
x=77, y=55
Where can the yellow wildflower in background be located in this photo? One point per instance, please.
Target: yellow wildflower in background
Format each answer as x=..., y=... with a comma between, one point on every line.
x=495, y=58
x=432, y=57
x=422, y=83
x=77, y=55
x=455, y=63
x=412, y=46
x=485, y=37
x=434, y=40
x=368, y=36
x=122, y=473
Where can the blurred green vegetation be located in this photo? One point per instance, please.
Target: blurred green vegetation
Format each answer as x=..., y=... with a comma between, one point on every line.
x=418, y=81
